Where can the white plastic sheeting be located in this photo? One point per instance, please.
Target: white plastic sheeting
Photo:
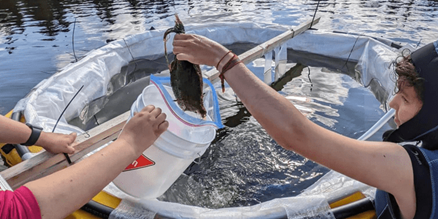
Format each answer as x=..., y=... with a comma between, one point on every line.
x=48, y=99
x=280, y=54
x=309, y=206
x=4, y=185
x=312, y=203
x=45, y=103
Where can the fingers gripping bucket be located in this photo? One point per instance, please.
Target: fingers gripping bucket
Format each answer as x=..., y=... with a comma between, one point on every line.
x=187, y=138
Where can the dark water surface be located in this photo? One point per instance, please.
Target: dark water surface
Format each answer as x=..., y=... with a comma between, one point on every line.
x=244, y=165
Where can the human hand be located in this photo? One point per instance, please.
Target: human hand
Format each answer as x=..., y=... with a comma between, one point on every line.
x=198, y=49
x=144, y=128
x=57, y=142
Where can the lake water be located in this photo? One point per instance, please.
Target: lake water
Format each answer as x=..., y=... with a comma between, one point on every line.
x=36, y=36
x=244, y=165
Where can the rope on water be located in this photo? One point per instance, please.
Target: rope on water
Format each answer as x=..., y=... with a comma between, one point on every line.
x=314, y=15
x=73, y=40
x=310, y=80
x=418, y=43
x=60, y=116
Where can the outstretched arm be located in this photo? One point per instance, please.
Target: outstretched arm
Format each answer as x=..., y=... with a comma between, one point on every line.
x=14, y=132
x=65, y=191
x=379, y=164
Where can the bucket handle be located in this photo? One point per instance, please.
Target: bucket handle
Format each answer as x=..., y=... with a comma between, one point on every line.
x=198, y=159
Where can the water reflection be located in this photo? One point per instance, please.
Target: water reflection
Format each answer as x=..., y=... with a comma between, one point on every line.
x=39, y=32
x=49, y=15
x=105, y=10
x=52, y=16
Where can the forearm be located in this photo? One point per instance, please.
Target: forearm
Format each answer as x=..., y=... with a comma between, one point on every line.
x=65, y=191
x=13, y=132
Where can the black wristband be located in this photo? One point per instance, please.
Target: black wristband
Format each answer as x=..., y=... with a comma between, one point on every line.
x=36, y=132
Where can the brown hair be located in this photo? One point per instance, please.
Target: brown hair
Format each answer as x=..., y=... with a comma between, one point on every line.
x=408, y=76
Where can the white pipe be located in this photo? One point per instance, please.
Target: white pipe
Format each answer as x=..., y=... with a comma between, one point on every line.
x=378, y=125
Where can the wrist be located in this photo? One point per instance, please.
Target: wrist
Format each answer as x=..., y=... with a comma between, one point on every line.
x=224, y=61
x=219, y=56
x=42, y=140
x=225, y=66
x=130, y=147
x=34, y=135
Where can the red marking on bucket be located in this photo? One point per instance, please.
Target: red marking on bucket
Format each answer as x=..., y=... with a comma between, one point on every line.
x=141, y=162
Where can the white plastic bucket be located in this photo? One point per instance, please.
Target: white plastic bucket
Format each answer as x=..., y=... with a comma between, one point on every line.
x=162, y=163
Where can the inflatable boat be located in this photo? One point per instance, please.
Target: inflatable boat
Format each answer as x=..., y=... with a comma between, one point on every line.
x=103, y=73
